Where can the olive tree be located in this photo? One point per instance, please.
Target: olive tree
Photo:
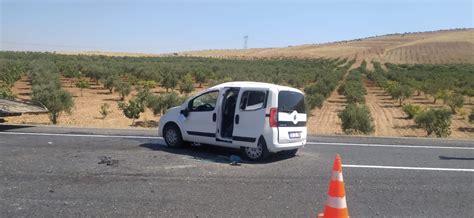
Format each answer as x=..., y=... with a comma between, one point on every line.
x=82, y=84
x=201, y=77
x=356, y=119
x=54, y=98
x=132, y=110
x=124, y=89
x=455, y=101
x=436, y=121
x=186, y=85
x=169, y=81
x=111, y=82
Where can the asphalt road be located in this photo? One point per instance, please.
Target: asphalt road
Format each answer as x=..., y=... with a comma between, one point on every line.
x=48, y=171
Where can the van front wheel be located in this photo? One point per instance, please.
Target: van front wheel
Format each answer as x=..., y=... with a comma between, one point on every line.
x=257, y=154
x=172, y=136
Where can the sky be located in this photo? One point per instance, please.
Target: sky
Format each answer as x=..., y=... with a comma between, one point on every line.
x=146, y=26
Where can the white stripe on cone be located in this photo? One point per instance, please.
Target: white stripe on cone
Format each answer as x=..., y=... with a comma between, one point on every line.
x=336, y=176
x=336, y=202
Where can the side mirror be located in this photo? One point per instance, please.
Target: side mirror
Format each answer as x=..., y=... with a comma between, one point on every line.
x=185, y=112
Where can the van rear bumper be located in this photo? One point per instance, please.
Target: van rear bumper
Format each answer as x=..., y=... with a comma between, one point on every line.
x=276, y=147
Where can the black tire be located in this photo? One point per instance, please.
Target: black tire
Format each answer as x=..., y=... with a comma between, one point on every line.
x=256, y=154
x=290, y=153
x=172, y=136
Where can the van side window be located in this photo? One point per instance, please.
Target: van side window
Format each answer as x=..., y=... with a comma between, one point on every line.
x=204, y=102
x=252, y=100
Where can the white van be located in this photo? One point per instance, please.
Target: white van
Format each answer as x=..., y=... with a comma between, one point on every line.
x=259, y=118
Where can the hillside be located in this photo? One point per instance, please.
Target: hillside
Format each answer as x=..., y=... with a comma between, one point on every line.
x=438, y=47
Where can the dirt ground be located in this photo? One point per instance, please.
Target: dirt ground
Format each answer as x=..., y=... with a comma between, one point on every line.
x=86, y=109
x=389, y=119
x=325, y=120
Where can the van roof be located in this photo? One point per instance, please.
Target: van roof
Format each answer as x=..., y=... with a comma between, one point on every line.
x=255, y=85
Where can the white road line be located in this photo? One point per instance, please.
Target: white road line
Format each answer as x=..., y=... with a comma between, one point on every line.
x=80, y=135
x=388, y=146
x=407, y=168
x=310, y=143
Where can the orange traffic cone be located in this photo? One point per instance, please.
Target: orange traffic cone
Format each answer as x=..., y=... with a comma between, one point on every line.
x=336, y=205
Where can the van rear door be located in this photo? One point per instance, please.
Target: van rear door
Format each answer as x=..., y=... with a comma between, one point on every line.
x=250, y=116
x=291, y=117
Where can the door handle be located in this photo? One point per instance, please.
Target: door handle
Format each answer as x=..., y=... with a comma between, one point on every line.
x=214, y=117
x=237, y=119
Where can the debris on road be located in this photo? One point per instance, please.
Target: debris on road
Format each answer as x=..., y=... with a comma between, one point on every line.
x=235, y=160
x=108, y=161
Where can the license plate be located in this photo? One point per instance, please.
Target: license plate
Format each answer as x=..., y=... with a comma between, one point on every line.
x=294, y=135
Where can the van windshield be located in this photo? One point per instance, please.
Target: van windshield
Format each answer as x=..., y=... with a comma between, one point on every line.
x=289, y=101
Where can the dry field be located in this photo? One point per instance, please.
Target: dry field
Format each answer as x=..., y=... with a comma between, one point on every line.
x=325, y=121
x=86, y=109
x=456, y=46
x=389, y=119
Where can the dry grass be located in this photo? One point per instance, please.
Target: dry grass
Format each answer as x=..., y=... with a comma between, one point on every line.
x=440, y=47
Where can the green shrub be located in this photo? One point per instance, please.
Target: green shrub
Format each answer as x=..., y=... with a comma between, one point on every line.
x=320, y=87
x=6, y=92
x=412, y=110
x=400, y=92
x=143, y=95
x=169, y=81
x=104, y=110
x=312, y=101
x=356, y=119
x=455, y=101
x=132, y=110
x=147, y=84
x=124, y=89
x=220, y=81
x=111, y=82
x=158, y=104
x=355, y=93
x=54, y=98
x=201, y=77
x=82, y=84
x=186, y=85
x=437, y=121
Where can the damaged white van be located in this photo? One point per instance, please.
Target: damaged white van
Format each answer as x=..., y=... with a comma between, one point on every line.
x=259, y=118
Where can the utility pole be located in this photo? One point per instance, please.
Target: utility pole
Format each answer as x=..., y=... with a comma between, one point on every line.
x=246, y=38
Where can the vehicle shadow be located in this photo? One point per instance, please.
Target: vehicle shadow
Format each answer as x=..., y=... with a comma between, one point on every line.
x=455, y=158
x=211, y=153
x=5, y=127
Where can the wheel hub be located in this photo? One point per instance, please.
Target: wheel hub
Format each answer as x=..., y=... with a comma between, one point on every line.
x=254, y=153
x=171, y=136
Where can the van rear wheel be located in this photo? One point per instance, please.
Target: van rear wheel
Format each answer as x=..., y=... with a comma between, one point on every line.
x=256, y=154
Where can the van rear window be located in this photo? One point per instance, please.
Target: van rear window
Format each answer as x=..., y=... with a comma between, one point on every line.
x=289, y=101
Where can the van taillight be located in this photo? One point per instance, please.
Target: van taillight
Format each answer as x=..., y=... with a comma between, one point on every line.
x=273, y=117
